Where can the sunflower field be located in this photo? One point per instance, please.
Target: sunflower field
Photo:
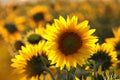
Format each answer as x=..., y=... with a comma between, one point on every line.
x=60, y=40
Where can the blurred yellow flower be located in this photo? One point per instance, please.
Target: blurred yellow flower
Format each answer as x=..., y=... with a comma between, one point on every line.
x=39, y=15
x=32, y=38
x=11, y=28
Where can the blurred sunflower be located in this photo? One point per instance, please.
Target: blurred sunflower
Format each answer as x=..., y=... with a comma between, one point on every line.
x=115, y=41
x=39, y=14
x=29, y=62
x=104, y=56
x=11, y=28
x=12, y=7
x=33, y=36
x=69, y=43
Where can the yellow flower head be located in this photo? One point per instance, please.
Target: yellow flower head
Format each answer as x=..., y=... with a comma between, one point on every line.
x=104, y=56
x=32, y=38
x=39, y=14
x=69, y=43
x=28, y=62
x=11, y=28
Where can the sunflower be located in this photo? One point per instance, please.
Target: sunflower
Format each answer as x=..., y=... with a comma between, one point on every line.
x=12, y=7
x=104, y=57
x=11, y=28
x=33, y=36
x=115, y=41
x=39, y=14
x=29, y=62
x=69, y=43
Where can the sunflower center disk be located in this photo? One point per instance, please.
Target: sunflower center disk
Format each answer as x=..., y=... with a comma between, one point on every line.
x=34, y=66
x=11, y=28
x=38, y=17
x=69, y=43
x=34, y=38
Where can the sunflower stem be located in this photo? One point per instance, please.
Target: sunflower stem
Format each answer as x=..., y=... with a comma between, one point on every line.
x=50, y=72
